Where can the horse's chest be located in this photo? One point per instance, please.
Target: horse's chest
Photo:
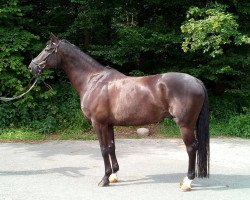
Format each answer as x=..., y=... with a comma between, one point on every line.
x=94, y=104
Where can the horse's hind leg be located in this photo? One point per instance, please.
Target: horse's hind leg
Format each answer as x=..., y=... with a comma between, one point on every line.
x=189, y=139
x=115, y=167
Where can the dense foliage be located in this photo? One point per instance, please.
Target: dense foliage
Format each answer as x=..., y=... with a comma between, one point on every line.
x=207, y=39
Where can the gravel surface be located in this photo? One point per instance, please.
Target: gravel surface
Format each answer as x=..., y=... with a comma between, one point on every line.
x=149, y=169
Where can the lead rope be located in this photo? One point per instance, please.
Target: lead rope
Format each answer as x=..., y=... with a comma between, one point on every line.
x=21, y=95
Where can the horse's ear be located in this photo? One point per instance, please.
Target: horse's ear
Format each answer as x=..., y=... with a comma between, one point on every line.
x=53, y=38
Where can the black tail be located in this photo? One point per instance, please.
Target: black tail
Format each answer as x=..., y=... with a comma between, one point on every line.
x=202, y=131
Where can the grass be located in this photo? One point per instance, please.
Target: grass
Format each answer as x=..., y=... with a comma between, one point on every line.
x=169, y=129
x=166, y=129
x=77, y=136
x=22, y=134
x=232, y=128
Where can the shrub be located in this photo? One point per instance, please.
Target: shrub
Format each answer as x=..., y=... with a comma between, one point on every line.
x=48, y=111
x=239, y=125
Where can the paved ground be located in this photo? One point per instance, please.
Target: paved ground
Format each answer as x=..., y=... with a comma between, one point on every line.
x=149, y=169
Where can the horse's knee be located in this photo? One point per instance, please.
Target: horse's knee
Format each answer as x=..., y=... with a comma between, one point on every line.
x=105, y=151
x=111, y=148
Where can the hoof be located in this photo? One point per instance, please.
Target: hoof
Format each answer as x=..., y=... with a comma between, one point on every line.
x=113, y=178
x=185, y=185
x=180, y=184
x=104, y=182
x=185, y=188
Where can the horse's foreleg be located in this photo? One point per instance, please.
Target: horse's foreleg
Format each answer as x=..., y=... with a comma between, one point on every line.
x=102, y=133
x=115, y=167
x=191, y=147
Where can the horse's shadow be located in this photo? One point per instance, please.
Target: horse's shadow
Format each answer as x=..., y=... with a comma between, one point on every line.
x=66, y=171
x=216, y=182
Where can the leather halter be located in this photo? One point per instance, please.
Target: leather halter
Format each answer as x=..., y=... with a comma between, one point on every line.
x=41, y=65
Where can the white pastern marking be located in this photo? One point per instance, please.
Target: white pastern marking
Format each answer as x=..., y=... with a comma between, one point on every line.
x=186, y=185
x=113, y=178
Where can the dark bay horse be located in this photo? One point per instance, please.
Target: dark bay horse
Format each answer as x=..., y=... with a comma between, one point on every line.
x=109, y=98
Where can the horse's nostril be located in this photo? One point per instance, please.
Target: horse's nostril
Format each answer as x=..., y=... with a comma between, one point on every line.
x=30, y=68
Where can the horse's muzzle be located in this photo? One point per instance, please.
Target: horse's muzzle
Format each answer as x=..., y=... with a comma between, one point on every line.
x=35, y=69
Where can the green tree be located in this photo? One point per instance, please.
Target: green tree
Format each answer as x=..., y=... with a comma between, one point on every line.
x=211, y=28
x=214, y=34
x=15, y=44
x=136, y=37
x=143, y=35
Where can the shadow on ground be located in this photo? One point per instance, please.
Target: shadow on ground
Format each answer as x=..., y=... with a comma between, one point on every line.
x=216, y=182
x=66, y=171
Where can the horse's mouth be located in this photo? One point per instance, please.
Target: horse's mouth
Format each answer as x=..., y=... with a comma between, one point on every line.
x=35, y=69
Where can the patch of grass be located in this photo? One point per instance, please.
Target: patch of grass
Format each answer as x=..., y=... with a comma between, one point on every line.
x=217, y=128
x=239, y=125
x=77, y=136
x=168, y=128
x=235, y=126
x=134, y=136
x=20, y=134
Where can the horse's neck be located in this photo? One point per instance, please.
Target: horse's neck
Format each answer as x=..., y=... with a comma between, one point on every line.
x=79, y=68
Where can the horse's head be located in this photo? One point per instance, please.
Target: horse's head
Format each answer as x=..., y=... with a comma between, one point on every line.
x=48, y=58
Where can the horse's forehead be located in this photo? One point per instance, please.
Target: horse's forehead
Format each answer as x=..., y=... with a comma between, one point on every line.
x=41, y=55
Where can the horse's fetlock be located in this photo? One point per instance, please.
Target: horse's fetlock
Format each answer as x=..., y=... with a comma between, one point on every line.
x=191, y=175
x=108, y=172
x=115, y=167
